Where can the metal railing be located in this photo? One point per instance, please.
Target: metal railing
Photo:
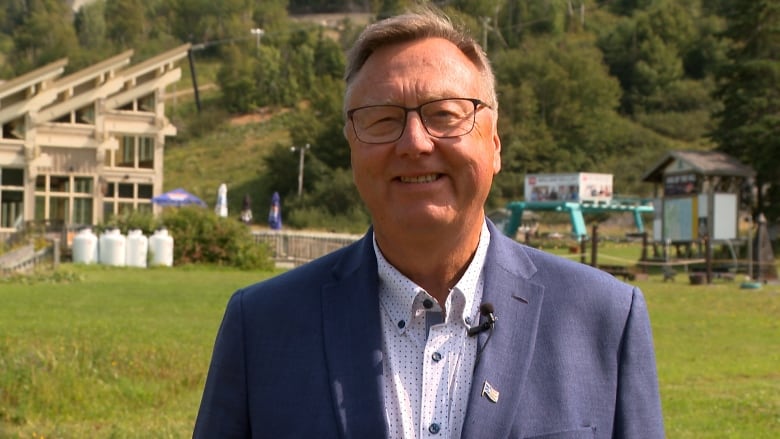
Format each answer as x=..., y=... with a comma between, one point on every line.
x=295, y=248
x=26, y=259
x=288, y=248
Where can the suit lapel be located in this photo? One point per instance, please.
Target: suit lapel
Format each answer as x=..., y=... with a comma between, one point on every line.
x=505, y=360
x=353, y=343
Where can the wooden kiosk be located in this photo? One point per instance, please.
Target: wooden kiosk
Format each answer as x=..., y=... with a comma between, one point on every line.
x=697, y=199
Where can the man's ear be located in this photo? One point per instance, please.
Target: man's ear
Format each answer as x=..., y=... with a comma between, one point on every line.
x=496, y=153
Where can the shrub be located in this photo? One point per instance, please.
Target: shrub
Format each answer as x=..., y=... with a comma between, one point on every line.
x=134, y=220
x=201, y=236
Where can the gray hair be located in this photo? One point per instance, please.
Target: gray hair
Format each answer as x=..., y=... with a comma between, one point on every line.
x=425, y=22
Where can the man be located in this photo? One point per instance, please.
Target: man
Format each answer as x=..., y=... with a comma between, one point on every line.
x=434, y=324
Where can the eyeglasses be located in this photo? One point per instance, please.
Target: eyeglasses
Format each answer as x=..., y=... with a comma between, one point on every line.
x=442, y=118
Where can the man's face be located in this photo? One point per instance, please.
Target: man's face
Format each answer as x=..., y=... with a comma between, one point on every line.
x=419, y=181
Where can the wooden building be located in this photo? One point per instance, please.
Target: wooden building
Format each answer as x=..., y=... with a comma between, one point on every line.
x=80, y=148
x=697, y=194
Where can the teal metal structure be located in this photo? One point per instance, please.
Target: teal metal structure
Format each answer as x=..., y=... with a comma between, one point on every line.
x=576, y=210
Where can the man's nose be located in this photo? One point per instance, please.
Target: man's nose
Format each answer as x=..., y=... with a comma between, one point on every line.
x=415, y=138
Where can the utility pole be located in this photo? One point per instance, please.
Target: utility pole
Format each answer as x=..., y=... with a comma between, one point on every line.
x=258, y=33
x=302, y=151
x=191, y=58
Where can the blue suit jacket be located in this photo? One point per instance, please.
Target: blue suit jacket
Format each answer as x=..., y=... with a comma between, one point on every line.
x=300, y=355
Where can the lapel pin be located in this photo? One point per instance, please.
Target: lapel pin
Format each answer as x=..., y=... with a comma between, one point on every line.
x=490, y=392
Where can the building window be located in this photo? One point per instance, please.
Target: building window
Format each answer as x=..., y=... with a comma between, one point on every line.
x=126, y=154
x=83, y=185
x=82, y=210
x=14, y=129
x=65, y=118
x=40, y=208
x=86, y=115
x=40, y=183
x=11, y=197
x=125, y=208
x=122, y=198
x=126, y=190
x=12, y=177
x=59, y=183
x=58, y=208
x=65, y=198
x=146, y=152
x=108, y=210
x=146, y=103
x=133, y=152
x=145, y=191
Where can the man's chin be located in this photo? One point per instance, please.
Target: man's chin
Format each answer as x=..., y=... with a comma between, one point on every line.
x=424, y=223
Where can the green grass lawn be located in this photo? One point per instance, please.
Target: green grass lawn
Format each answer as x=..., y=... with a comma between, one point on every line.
x=101, y=352
x=122, y=353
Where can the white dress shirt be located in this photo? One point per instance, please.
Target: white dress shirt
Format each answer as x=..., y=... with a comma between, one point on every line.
x=429, y=358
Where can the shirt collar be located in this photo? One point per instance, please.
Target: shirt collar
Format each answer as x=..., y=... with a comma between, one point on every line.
x=401, y=298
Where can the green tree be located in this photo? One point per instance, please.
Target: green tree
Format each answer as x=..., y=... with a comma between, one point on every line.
x=748, y=126
x=126, y=22
x=558, y=114
x=321, y=123
x=270, y=15
x=45, y=34
x=236, y=81
x=572, y=94
x=280, y=167
x=206, y=20
x=90, y=25
x=328, y=57
x=388, y=8
x=268, y=77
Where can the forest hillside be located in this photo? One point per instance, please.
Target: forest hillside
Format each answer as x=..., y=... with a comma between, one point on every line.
x=584, y=86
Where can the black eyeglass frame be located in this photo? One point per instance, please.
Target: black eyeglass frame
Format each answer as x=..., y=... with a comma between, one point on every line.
x=477, y=104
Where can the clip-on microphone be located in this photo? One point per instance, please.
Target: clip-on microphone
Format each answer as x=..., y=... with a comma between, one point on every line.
x=485, y=309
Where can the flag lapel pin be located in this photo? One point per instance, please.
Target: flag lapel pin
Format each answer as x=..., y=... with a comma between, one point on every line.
x=490, y=392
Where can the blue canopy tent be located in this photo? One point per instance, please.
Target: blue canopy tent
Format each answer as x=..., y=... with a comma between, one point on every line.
x=177, y=197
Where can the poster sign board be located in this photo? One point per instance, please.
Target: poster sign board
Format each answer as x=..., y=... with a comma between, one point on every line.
x=580, y=186
x=685, y=219
x=681, y=220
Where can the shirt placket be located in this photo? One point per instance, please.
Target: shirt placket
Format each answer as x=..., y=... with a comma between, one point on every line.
x=438, y=359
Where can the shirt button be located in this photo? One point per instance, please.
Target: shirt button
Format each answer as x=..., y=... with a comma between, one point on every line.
x=401, y=324
x=468, y=320
x=428, y=303
x=436, y=356
x=434, y=428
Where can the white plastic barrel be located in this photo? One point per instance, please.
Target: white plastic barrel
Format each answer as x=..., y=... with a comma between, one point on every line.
x=136, y=249
x=112, y=248
x=85, y=247
x=161, y=246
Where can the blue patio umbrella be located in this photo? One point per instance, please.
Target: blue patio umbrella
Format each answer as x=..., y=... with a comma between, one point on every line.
x=177, y=197
x=275, y=213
